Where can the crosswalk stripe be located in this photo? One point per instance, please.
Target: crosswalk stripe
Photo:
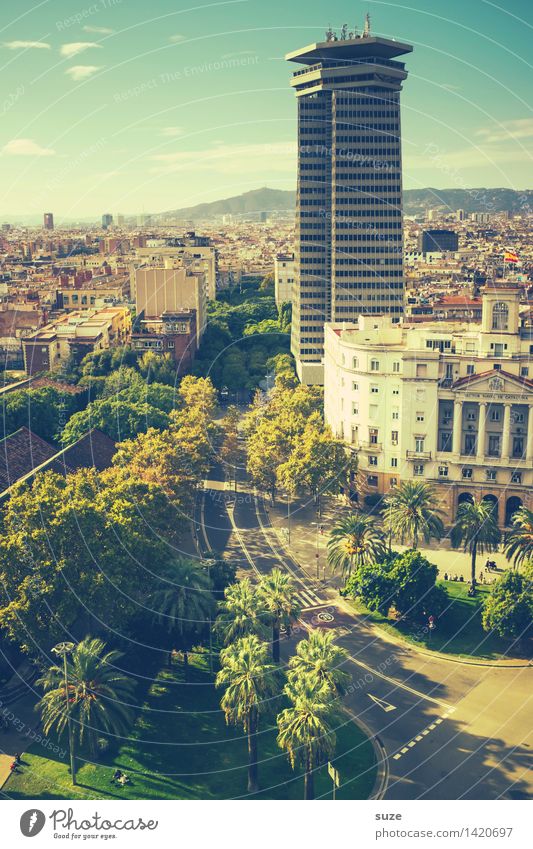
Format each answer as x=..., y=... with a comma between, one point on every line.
x=307, y=597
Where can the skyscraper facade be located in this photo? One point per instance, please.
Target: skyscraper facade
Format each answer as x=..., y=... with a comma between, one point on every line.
x=349, y=238
x=48, y=221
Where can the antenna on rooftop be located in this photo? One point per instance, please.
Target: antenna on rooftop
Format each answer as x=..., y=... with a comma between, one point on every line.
x=366, y=30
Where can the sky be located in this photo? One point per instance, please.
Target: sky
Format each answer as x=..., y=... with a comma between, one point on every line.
x=125, y=106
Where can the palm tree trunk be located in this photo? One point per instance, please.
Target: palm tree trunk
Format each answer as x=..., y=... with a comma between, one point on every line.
x=473, y=566
x=253, y=780
x=309, y=779
x=275, y=640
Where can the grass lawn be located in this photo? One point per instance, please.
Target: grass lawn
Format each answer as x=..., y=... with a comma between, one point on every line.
x=181, y=748
x=458, y=630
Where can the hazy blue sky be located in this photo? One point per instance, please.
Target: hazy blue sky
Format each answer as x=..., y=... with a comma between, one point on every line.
x=120, y=105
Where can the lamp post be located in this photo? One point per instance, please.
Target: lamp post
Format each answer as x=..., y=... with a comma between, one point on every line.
x=62, y=650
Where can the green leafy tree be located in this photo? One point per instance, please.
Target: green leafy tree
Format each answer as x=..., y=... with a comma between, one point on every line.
x=156, y=368
x=222, y=573
x=240, y=613
x=184, y=604
x=518, y=543
x=508, y=609
x=412, y=512
x=476, y=529
x=319, y=660
x=316, y=463
x=305, y=729
x=118, y=419
x=277, y=596
x=251, y=683
x=356, y=540
x=100, y=696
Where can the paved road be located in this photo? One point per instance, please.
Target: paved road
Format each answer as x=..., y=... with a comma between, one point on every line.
x=450, y=730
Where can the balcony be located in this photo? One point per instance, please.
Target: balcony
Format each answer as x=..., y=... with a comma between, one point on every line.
x=418, y=455
x=371, y=446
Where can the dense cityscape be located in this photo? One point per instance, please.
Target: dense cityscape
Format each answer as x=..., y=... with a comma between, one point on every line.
x=267, y=477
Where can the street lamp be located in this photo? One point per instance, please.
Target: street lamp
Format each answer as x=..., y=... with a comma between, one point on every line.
x=62, y=650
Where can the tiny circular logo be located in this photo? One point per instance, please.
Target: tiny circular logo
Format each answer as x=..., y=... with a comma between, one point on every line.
x=32, y=822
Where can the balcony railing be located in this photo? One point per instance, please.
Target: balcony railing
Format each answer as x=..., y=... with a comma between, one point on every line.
x=371, y=446
x=418, y=455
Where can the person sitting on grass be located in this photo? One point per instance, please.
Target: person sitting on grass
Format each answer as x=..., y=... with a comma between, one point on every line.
x=124, y=779
x=117, y=775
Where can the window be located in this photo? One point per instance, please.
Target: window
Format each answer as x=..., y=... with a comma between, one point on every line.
x=355, y=363
x=355, y=386
x=443, y=471
x=494, y=445
x=421, y=369
x=355, y=410
x=373, y=435
x=467, y=472
x=393, y=481
x=518, y=447
x=355, y=434
x=396, y=367
x=420, y=416
x=374, y=365
x=491, y=474
x=395, y=415
x=395, y=390
x=418, y=470
x=372, y=480
x=516, y=477
x=394, y=437
x=372, y=460
x=374, y=389
x=470, y=415
x=495, y=415
x=524, y=371
x=419, y=444
x=497, y=366
x=445, y=441
x=394, y=462
x=470, y=443
x=500, y=316
x=470, y=369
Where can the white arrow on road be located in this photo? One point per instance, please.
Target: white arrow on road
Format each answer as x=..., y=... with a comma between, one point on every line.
x=382, y=703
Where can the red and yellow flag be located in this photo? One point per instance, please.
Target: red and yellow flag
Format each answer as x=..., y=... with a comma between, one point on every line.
x=510, y=256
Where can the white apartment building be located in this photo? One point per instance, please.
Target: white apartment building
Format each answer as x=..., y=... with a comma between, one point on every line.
x=197, y=259
x=284, y=276
x=450, y=403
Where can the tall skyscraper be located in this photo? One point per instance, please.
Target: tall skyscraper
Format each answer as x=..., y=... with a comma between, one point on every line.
x=107, y=220
x=349, y=238
x=48, y=220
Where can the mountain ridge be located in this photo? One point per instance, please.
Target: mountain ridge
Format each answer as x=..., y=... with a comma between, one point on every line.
x=415, y=201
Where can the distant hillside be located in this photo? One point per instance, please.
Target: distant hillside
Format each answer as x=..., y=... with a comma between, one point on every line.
x=416, y=201
x=258, y=200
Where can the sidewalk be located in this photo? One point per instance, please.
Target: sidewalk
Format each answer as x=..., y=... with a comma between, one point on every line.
x=306, y=540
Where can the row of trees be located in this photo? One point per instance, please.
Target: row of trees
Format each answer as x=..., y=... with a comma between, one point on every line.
x=290, y=447
x=360, y=547
x=304, y=700
x=82, y=552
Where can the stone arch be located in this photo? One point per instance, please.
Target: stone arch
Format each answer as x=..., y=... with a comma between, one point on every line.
x=512, y=504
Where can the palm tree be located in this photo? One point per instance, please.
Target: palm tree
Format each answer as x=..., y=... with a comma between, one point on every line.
x=476, y=529
x=251, y=683
x=318, y=658
x=185, y=603
x=277, y=596
x=240, y=613
x=355, y=541
x=99, y=695
x=305, y=729
x=519, y=540
x=412, y=512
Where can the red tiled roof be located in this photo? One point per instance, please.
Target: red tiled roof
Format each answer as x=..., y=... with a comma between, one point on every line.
x=20, y=453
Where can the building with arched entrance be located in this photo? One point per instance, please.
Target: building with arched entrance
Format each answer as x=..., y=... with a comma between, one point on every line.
x=450, y=402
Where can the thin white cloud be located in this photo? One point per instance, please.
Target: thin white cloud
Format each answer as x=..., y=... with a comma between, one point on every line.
x=75, y=47
x=230, y=159
x=26, y=147
x=521, y=128
x=99, y=30
x=27, y=45
x=175, y=39
x=171, y=132
x=82, y=72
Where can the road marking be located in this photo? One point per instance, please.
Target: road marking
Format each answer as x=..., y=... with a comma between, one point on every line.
x=418, y=737
x=386, y=706
x=416, y=740
x=396, y=757
x=404, y=750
